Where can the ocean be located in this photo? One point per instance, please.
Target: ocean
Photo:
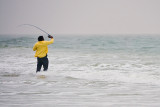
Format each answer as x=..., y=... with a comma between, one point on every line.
x=84, y=71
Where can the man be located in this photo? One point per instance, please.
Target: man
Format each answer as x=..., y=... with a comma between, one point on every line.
x=41, y=48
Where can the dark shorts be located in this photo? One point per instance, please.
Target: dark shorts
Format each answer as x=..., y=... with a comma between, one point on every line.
x=42, y=61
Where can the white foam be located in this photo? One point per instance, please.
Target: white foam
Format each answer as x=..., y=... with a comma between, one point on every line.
x=127, y=73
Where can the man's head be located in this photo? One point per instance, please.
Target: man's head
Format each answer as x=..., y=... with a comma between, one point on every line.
x=40, y=38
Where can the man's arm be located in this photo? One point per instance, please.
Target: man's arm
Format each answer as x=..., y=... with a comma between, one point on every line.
x=34, y=47
x=51, y=41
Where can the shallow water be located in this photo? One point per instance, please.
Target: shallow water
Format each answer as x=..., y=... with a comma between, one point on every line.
x=84, y=71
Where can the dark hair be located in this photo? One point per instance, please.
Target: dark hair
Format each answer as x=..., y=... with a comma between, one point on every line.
x=40, y=38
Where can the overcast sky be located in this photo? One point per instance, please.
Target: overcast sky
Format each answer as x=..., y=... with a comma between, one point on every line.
x=81, y=16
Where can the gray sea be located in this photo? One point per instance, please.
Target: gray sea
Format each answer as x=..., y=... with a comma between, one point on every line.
x=84, y=71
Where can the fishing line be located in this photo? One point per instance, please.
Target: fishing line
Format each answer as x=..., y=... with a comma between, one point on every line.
x=35, y=27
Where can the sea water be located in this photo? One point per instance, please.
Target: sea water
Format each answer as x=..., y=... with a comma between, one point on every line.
x=84, y=71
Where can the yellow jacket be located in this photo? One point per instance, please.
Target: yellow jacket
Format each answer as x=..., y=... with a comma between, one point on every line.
x=41, y=48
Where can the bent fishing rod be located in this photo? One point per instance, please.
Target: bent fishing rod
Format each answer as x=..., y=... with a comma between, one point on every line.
x=35, y=27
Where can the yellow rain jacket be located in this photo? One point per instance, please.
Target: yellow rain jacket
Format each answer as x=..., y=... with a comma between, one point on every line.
x=41, y=48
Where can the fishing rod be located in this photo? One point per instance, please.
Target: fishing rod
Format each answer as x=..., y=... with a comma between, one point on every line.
x=35, y=27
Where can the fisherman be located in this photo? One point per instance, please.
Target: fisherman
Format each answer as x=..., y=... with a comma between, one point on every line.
x=41, y=48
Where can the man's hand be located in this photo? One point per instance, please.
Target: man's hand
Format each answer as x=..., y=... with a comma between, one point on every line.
x=49, y=36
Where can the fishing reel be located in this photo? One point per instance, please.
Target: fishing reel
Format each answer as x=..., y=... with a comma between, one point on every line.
x=49, y=36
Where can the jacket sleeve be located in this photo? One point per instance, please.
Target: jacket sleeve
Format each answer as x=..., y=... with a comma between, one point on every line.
x=34, y=47
x=49, y=42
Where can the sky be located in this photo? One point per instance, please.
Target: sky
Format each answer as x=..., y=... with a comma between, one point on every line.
x=80, y=16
